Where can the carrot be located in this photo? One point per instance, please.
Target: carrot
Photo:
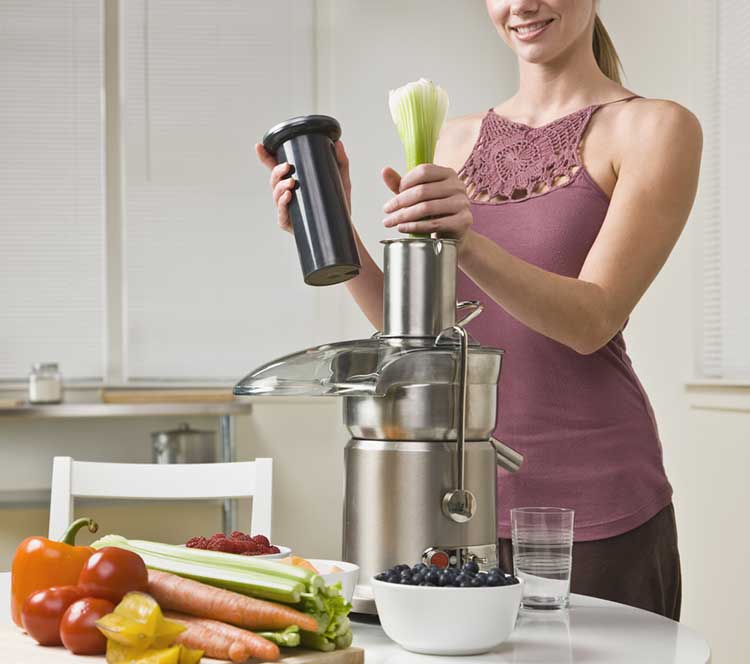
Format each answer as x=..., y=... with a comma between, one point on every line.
x=222, y=641
x=198, y=599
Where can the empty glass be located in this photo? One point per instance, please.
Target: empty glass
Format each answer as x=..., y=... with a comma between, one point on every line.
x=542, y=554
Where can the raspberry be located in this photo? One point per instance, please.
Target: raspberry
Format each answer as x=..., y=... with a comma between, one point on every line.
x=239, y=535
x=234, y=546
x=216, y=536
x=219, y=545
x=249, y=553
x=262, y=540
x=275, y=549
x=197, y=543
x=250, y=546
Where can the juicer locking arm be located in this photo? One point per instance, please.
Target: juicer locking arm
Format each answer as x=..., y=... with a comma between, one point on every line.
x=506, y=456
x=459, y=505
x=477, y=307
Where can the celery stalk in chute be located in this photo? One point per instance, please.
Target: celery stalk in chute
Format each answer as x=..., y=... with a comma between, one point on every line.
x=418, y=109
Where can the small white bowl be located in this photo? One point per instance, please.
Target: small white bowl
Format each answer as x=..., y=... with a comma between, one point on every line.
x=435, y=620
x=348, y=576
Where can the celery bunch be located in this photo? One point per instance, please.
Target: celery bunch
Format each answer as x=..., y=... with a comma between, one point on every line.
x=418, y=109
x=263, y=579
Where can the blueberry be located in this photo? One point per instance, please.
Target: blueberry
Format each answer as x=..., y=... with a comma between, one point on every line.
x=481, y=579
x=401, y=567
x=474, y=582
x=418, y=567
x=494, y=581
x=471, y=567
x=432, y=576
x=393, y=577
x=418, y=577
x=466, y=583
x=383, y=576
x=444, y=581
x=405, y=581
x=461, y=577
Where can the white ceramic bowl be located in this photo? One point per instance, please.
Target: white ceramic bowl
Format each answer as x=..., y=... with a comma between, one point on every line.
x=437, y=620
x=348, y=576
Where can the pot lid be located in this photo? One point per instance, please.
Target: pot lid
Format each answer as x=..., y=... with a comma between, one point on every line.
x=183, y=429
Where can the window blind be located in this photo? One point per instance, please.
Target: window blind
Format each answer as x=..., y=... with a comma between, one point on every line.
x=726, y=237
x=51, y=187
x=212, y=287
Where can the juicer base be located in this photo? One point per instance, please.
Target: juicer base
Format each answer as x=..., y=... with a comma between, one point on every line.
x=363, y=601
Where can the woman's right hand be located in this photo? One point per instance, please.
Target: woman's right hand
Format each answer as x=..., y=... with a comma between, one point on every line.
x=283, y=183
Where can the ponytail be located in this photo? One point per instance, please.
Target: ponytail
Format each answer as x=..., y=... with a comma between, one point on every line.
x=605, y=52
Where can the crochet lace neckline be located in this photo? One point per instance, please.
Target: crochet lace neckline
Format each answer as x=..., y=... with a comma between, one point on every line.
x=513, y=162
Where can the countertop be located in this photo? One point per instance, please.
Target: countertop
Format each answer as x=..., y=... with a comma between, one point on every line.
x=592, y=631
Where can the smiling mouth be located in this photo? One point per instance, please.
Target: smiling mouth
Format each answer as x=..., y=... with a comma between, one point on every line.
x=530, y=30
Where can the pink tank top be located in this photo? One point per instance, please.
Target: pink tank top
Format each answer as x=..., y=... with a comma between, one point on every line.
x=583, y=422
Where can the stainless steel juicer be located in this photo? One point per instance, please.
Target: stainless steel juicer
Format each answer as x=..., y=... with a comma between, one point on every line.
x=420, y=402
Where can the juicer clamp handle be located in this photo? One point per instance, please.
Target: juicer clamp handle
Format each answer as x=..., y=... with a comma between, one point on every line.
x=459, y=504
x=475, y=305
x=506, y=456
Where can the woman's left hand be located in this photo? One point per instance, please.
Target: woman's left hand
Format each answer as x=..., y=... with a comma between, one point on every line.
x=429, y=199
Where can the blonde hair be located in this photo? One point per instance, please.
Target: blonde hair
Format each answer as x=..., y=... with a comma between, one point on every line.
x=605, y=52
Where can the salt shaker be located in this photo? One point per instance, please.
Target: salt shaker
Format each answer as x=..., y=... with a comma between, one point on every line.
x=45, y=383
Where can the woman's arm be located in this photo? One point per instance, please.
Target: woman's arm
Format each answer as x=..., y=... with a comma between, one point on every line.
x=656, y=183
x=367, y=286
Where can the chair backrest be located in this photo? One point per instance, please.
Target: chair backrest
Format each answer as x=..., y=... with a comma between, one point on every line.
x=85, y=479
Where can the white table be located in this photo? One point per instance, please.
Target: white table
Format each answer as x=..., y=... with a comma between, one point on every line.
x=592, y=631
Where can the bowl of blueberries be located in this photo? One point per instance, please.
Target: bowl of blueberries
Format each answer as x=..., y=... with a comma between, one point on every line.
x=451, y=611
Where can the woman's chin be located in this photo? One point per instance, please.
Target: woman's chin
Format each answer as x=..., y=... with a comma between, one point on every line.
x=538, y=54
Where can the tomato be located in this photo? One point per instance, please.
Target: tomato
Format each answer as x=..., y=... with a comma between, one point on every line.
x=43, y=610
x=111, y=573
x=78, y=630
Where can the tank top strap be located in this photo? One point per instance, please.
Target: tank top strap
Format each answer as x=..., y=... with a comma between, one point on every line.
x=596, y=107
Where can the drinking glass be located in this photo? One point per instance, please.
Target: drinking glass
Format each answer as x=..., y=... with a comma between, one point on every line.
x=542, y=554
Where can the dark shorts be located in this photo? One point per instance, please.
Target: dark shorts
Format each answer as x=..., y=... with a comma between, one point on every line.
x=640, y=568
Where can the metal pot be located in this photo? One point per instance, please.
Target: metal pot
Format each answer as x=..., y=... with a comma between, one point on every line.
x=184, y=445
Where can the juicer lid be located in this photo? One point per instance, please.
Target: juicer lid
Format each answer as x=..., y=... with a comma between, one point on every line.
x=303, y=124
x=368, y=367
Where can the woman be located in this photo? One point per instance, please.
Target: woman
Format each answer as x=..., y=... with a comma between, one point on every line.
x=566, y=201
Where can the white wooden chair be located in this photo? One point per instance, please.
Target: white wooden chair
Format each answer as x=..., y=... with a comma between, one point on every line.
x=84, y=479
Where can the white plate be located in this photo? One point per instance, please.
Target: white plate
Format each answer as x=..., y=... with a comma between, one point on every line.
x=284, y=552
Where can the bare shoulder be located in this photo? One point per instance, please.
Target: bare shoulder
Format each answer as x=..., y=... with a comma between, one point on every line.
x=658, y=122
x=457, y=139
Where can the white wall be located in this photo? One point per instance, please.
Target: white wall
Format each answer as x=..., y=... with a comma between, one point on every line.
x=706, y=452
x=367, y=48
